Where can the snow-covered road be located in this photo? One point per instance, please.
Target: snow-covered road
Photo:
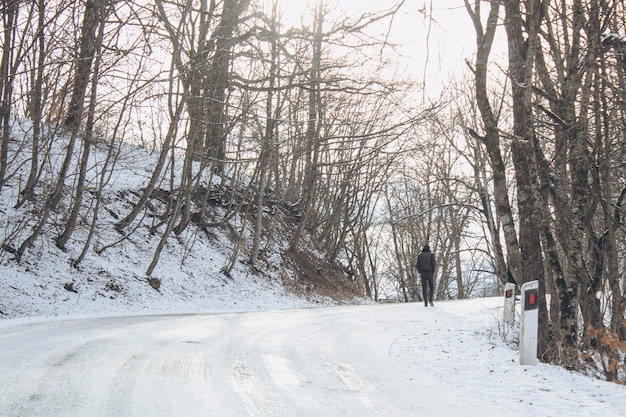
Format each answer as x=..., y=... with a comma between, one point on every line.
x=382, y=360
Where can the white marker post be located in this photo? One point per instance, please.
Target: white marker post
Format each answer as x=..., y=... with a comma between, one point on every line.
x=529, y=323
x=509, y=303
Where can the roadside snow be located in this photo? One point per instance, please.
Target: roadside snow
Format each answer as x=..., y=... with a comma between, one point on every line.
x=114, y=281
x=376, y=360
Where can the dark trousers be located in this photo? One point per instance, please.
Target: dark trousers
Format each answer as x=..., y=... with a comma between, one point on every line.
x=428, y=285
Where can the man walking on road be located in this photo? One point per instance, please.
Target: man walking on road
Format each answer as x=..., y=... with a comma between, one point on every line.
x=426, y=267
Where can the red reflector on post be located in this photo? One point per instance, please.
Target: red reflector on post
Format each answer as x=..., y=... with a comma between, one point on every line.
x=530, y=299
x=509, y=294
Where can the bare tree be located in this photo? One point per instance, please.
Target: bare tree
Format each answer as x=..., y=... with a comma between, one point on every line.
x=492, y=138
x=8, y=65
x=314, y=124
x=83, y=67
x=562, y=144
x=36, y=106
x=87, y=142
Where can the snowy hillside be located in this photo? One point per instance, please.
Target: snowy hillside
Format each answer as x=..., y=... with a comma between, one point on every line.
x=112, y=277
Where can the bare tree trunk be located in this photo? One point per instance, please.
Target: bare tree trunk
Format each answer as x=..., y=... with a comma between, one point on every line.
x=7, y=77
x=365, y=285
x=173, y=215
x=522, y=52
x=457, y=259
x=35, y=108
x=107, y=169
x=272, y=115
x=217, y=81
x=313, y=129
x=480, y=179
x=408, y=286
x=618, y=306
x=156, y=173
x=87, y=50
x=70, y=225
x=491, y=139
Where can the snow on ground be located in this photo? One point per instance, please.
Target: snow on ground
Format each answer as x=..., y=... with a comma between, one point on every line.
x=114, y=280
x=123, y=289
x=367, y=360
x=116, y=284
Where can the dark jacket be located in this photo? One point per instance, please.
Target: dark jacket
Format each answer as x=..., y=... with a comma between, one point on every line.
x=426, y=261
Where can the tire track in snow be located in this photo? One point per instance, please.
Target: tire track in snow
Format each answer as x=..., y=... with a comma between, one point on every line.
x=308, y=363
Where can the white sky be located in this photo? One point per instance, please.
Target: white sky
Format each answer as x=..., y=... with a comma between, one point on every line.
x=432, y=48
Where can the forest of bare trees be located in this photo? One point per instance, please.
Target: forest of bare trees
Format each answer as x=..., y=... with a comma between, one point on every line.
x=560, y=118
x=515, y=171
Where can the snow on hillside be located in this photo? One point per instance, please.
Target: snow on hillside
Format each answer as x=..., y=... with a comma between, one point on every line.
x=189, y=279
